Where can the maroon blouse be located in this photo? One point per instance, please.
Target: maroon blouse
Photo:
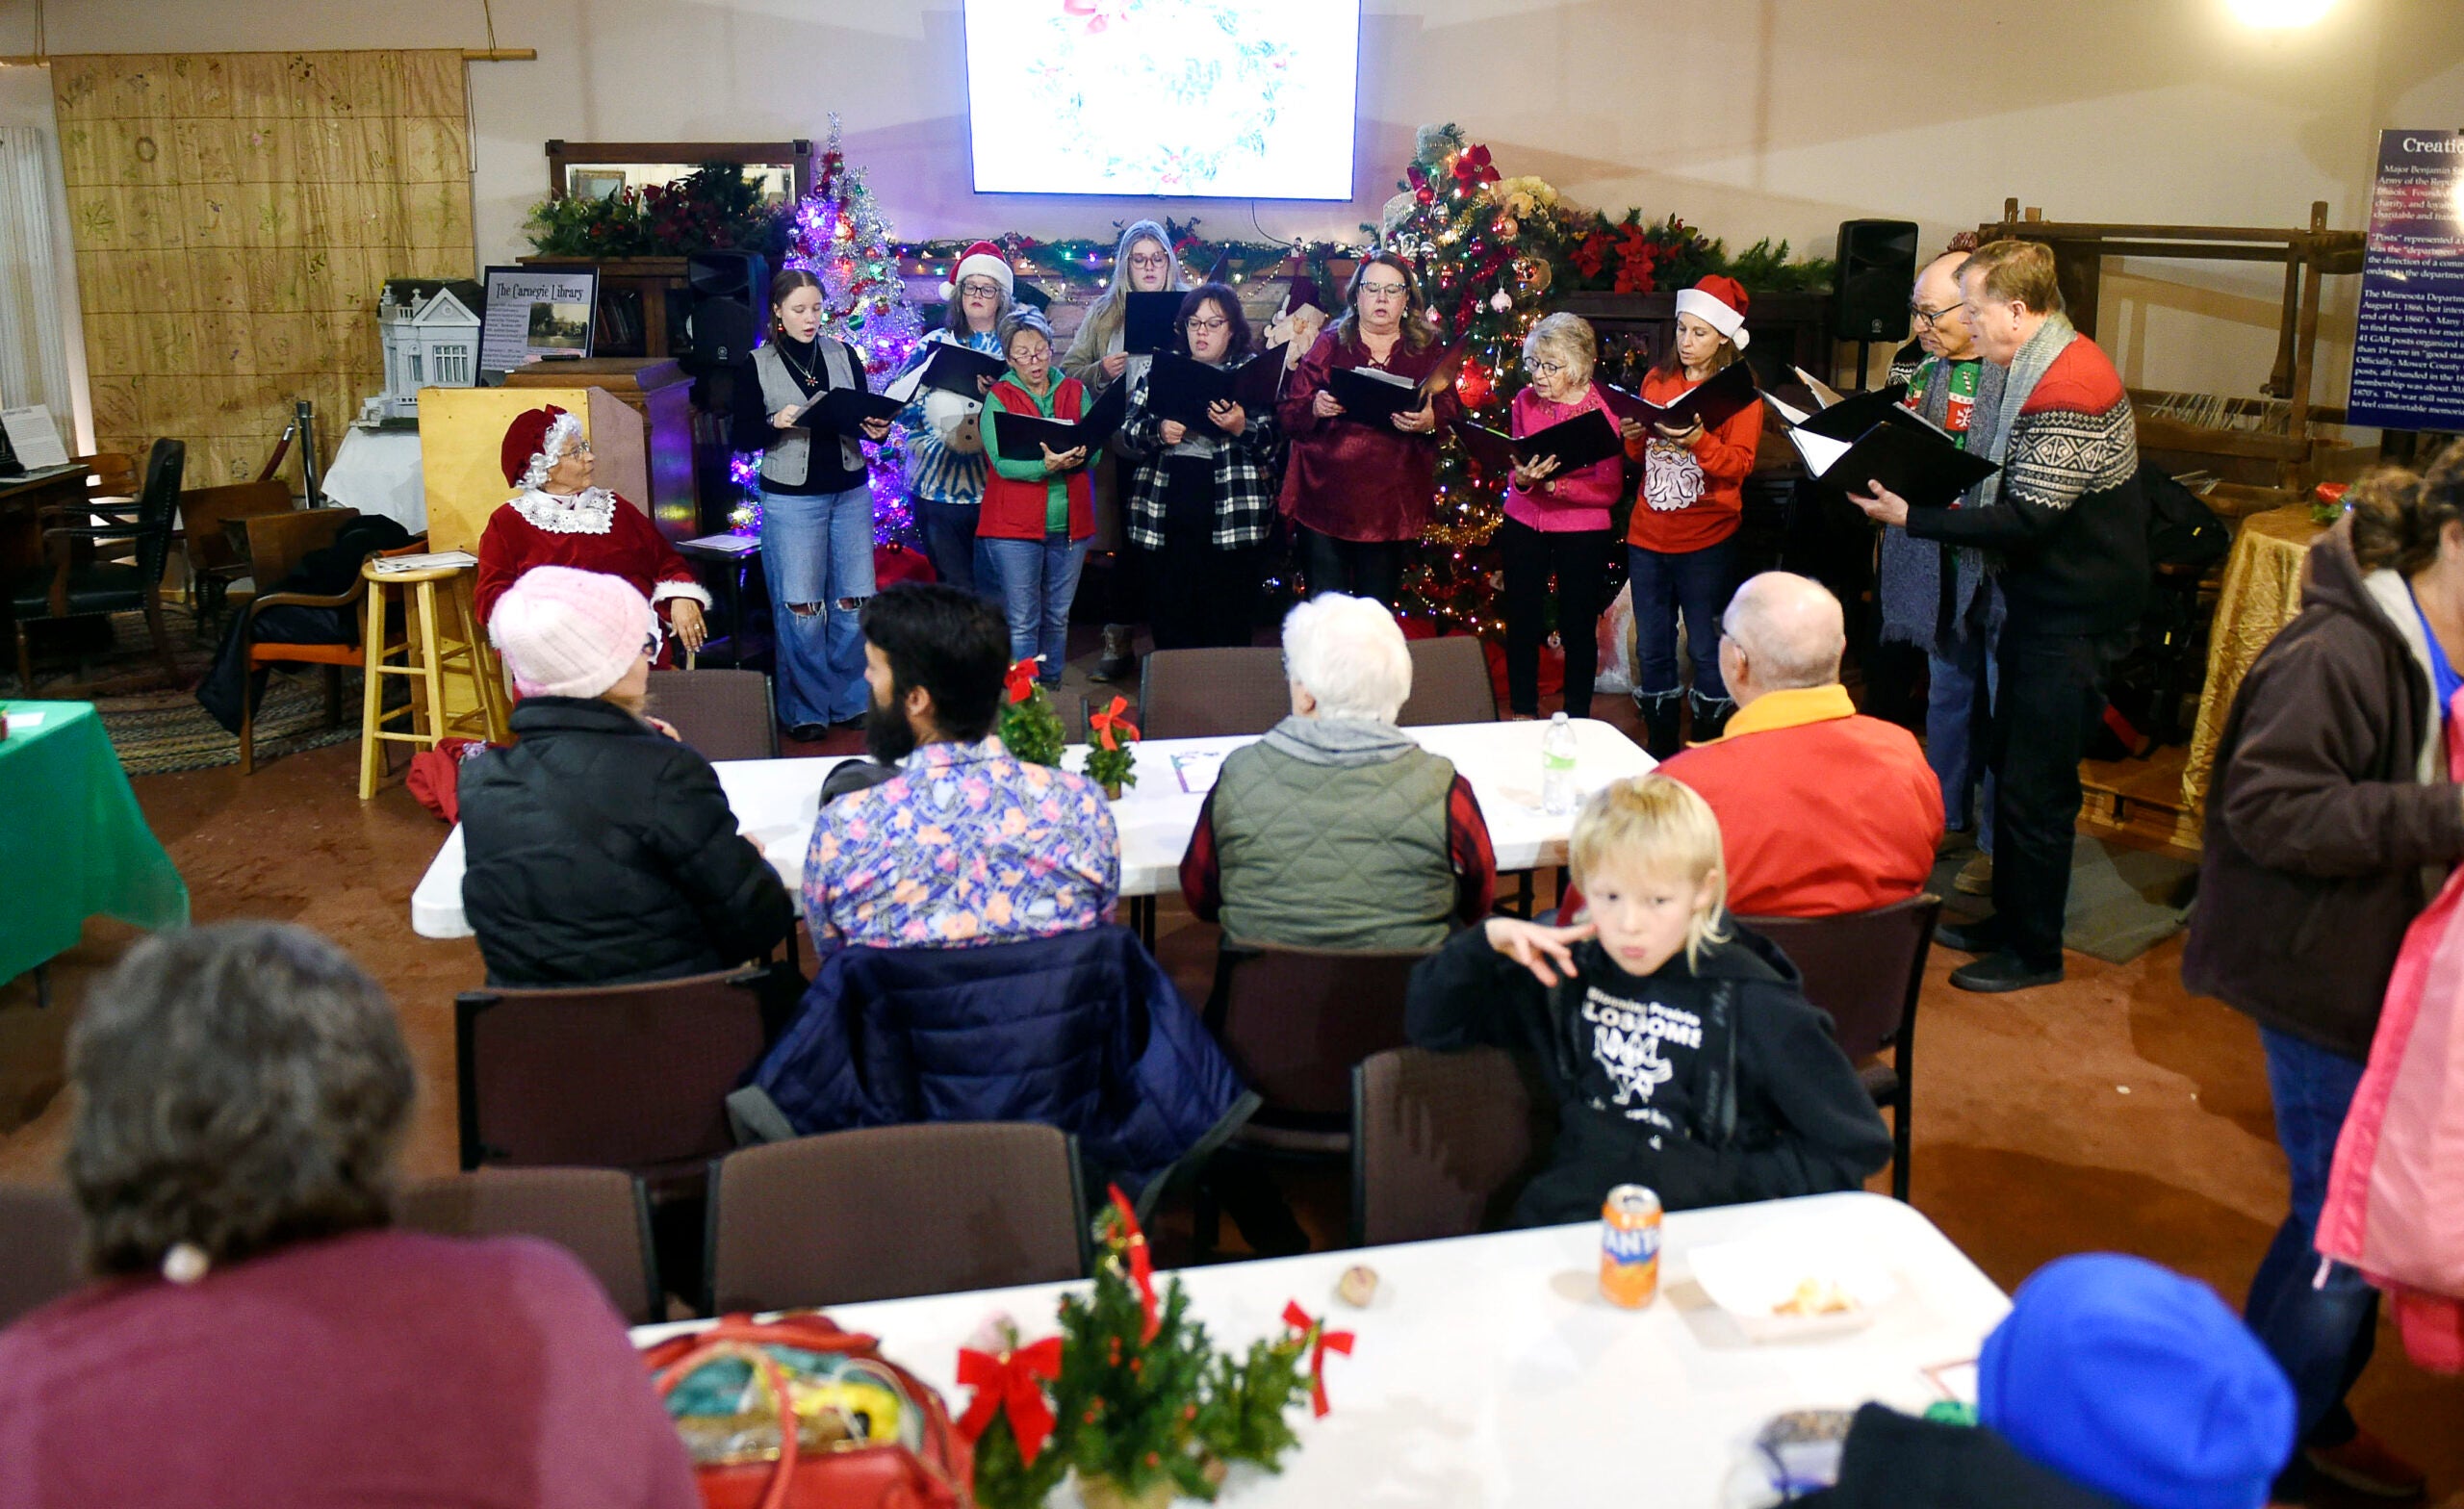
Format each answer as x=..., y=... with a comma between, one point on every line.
x=1355, y=481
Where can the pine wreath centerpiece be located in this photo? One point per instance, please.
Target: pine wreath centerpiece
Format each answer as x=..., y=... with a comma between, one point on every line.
x=1111, y=762
x=1030, y=729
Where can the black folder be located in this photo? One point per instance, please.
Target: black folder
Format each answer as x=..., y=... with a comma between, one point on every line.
x=1589, y=437
x=1372, y=396
x=1179, y=387
x=1146, y=324
x=1019, y=436
x=846, y=409
x=1922, y=462
x=954, y=369
x=1714, y=401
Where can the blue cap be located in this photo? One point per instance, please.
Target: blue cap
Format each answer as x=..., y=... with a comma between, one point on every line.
x=2133, y=1380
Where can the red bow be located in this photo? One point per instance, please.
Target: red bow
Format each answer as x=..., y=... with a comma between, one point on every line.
x=1142, y=1264
x=1472, y=169
x=1020, y=682
x=1009, y=1384
x=1326, y=1342
x=1109, y=725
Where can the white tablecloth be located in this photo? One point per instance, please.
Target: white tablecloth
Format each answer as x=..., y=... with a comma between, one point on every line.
x=377, y=472
x=1488, y=1371
x=777, y=800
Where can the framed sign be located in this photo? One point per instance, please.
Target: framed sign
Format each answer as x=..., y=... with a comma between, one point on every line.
x=533, y=314
x=2408, y=341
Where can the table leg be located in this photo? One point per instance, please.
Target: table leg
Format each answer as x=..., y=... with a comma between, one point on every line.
x=1142, y=916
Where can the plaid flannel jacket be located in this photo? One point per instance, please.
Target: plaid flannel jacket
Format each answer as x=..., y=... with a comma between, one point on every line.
x=1245, y=480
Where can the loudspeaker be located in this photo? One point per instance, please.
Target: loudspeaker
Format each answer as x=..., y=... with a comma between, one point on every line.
x=1877, y=272
x=726, y=296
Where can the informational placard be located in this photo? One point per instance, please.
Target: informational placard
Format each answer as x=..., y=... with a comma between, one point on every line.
x=536, y=312
x=2408, y=346
x=33, y=437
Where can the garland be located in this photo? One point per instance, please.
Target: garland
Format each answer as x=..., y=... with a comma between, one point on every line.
x=714, y=208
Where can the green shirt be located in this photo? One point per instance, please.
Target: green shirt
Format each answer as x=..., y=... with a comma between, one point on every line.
x=1056, y=493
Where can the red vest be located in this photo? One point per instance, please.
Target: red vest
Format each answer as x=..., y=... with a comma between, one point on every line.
x=1014, y=510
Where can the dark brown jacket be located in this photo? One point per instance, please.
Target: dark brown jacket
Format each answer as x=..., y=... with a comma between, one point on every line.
x=2329, y=815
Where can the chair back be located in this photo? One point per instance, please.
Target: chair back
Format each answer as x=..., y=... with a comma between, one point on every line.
x=1188, y=694
x=111, y=475
x=1449, y=684
x=1442, y=1141
x=156, y=506
x=40, y=1230
x=278, y=542
x=1294, y=1021
x=631, y=1077
x=204, y=510
x=722, y=714
x=1865, y=968
x=883, y=1212
x=601, y=1215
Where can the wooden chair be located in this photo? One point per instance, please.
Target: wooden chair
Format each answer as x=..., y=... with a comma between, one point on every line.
x=722, y=714
x=115, y=566
x=1867, y=969
x=40, y=1230
x=601, y=1215
x=883, y=1212
x=1449, y=684
x=214, y=562
x=1442, y=1142
x=1187, y=694
x=110, y=476
x=300, y=533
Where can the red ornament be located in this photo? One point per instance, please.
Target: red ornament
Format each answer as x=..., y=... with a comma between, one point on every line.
x=1472, y=170
x=1011, y=1384
x=1323, y=1341
x=1474, y=384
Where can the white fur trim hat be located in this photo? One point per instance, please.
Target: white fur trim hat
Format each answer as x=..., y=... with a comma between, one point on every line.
x=1719, y=302
x=984, y=257
x=570, y=633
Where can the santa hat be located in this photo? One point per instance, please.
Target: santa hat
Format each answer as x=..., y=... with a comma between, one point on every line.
x=534, y=442
x=570, y=633
x=1719, y=301
x=1303, y=295
x=984, y=257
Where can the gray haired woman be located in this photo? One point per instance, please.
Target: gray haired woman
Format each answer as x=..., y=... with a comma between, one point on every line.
x=240, y=1091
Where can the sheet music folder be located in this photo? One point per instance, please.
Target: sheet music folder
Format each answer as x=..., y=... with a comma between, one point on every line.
x=1019, y=436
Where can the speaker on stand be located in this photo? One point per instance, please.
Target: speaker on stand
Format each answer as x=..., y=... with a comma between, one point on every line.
x=723, y=305
x=1877, y=269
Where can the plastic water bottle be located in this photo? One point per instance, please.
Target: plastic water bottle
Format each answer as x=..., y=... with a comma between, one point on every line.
x=1557, y=766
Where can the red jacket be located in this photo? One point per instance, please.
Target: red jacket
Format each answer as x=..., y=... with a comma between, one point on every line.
x=1014, y=510
x=1691, y=501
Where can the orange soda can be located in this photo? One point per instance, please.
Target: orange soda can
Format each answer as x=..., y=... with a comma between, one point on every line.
x=1630, y=1246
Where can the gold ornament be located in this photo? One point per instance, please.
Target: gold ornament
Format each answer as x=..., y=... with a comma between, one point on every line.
x=1531, y=275
x=1509, y=226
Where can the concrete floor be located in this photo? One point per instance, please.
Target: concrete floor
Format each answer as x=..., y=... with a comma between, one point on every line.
x=2111, y=1112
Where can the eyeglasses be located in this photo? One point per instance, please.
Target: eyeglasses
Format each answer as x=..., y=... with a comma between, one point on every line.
x=1209, y=326
x=650, y=646
x=1149, y=258
x=1383, y=290
x=1544, y=368
x=979, y=288
x=1930, y=317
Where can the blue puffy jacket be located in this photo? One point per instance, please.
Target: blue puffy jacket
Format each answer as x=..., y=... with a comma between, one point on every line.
x=1083, y=1032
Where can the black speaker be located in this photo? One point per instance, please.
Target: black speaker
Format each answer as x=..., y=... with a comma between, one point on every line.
x=727, y=295
x=1876, y=273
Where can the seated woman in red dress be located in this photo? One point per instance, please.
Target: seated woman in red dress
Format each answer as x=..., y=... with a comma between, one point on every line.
x=560, y=519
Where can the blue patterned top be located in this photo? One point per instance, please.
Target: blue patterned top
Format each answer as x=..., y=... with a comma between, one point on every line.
x=965, y=845
x=934, y=473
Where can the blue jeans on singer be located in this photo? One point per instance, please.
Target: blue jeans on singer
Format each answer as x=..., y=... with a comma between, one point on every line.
x=950, y=542
x=1696, y=583
x=1958, y=712
x=1035, y=580
x=817, y=549
x=2320, y=1333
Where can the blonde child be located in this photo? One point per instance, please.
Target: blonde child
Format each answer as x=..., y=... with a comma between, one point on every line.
x=1683, y=1054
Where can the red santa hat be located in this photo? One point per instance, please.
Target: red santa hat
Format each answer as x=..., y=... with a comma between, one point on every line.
x=534, y=442
x=1719, y=301
x=1303, y=295
x=984, y=258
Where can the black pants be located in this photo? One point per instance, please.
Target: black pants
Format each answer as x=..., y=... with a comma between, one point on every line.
x=1580, y=560
x=1362, y=568
x=1200, y=595
x=2048, y=696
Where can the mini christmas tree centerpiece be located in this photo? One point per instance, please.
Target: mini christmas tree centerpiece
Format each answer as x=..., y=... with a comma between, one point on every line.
x=1011, y=1422
x=1111, y=762
x=1030, y=729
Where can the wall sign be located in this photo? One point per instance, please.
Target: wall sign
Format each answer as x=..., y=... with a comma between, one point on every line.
x=2408, y=347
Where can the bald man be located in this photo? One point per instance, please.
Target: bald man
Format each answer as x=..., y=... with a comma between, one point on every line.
x=1822, y=810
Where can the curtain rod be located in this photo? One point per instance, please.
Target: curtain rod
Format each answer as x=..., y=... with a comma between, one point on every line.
x=30, y=60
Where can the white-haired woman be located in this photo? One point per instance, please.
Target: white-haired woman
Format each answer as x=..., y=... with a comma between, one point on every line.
x=1556, y=521
x=1336, y=830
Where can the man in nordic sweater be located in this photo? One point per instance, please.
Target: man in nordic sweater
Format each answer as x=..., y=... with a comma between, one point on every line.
x=2065, y=517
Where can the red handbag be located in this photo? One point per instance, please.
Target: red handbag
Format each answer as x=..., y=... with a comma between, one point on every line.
x=835, y=1463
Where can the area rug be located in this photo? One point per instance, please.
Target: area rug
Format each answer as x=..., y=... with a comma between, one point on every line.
x=2123, y=900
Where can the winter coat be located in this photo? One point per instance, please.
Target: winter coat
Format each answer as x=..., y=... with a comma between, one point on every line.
x=327, y=571
x=1082, y=1030
x=601, y=851
x=1713, y=1084
x=2329, y=803
x=1894, y=1461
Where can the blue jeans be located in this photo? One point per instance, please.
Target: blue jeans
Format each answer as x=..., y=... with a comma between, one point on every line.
x=818, y=554
x=2321, y=1334
x=1036, y=580
x=1958, y=714
x=950, y=542
x=1696, y=583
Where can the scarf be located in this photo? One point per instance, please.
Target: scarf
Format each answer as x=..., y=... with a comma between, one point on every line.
x=1339, y=741
x=1990, y=428
x=590, y=511
x=1919, y=607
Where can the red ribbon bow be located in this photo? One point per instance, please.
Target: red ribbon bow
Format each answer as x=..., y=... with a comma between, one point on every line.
x=1142, y=1263
x=1326, y=1342
x=1011, y=1384
x=1472, y=169
x=1109, y=728
x=1021, y=680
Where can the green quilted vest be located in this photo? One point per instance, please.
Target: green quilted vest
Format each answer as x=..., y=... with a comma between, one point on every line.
x=1334, y=856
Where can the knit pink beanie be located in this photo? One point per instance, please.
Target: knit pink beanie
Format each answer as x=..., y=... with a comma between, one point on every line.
x=570, y=633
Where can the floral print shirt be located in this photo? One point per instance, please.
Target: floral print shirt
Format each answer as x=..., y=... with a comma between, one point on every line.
x=966, y=845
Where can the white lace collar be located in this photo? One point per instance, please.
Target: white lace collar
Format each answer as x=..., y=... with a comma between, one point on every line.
x=590, y=511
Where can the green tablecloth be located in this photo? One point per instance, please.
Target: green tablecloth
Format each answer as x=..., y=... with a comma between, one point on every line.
x=72, y=842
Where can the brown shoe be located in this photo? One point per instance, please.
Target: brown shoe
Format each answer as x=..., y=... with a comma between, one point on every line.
x=1976, y=877
x=2366, y=1466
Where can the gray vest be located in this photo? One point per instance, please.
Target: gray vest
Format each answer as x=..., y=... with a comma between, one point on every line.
x=789, y=450
x=1333, y=856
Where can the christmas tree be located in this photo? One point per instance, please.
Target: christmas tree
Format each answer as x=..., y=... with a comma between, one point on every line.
x=837, y=234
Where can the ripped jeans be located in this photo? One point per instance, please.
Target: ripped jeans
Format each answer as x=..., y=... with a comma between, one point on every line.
x=818, y=559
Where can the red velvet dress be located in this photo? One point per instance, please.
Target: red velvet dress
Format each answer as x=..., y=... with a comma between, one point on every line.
x=1353, y=481
x=624, y=543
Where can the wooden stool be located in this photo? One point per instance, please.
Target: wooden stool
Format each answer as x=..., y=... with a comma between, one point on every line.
x=430, y=657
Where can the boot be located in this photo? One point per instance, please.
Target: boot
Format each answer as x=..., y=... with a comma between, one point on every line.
x=1659, y=721
x=1119, y=657
x=1711, y=716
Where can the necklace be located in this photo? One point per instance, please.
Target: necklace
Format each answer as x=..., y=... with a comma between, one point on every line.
x=803, y=374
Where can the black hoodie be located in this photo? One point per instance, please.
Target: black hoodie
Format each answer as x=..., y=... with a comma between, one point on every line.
x=1712, y=1085
x=1893, y=1461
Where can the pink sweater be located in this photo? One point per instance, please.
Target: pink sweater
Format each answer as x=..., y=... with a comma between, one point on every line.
x=1579, y=499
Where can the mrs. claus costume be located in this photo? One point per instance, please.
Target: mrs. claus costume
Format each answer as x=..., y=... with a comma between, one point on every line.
x=590, y=530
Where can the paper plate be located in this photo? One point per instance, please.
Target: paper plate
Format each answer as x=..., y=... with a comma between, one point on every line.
x=1752, y=1277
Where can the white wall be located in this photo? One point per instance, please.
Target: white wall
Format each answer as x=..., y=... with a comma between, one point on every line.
x=1747, y=117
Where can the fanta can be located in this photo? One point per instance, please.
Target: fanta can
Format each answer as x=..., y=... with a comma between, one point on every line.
x=1630, y=1246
